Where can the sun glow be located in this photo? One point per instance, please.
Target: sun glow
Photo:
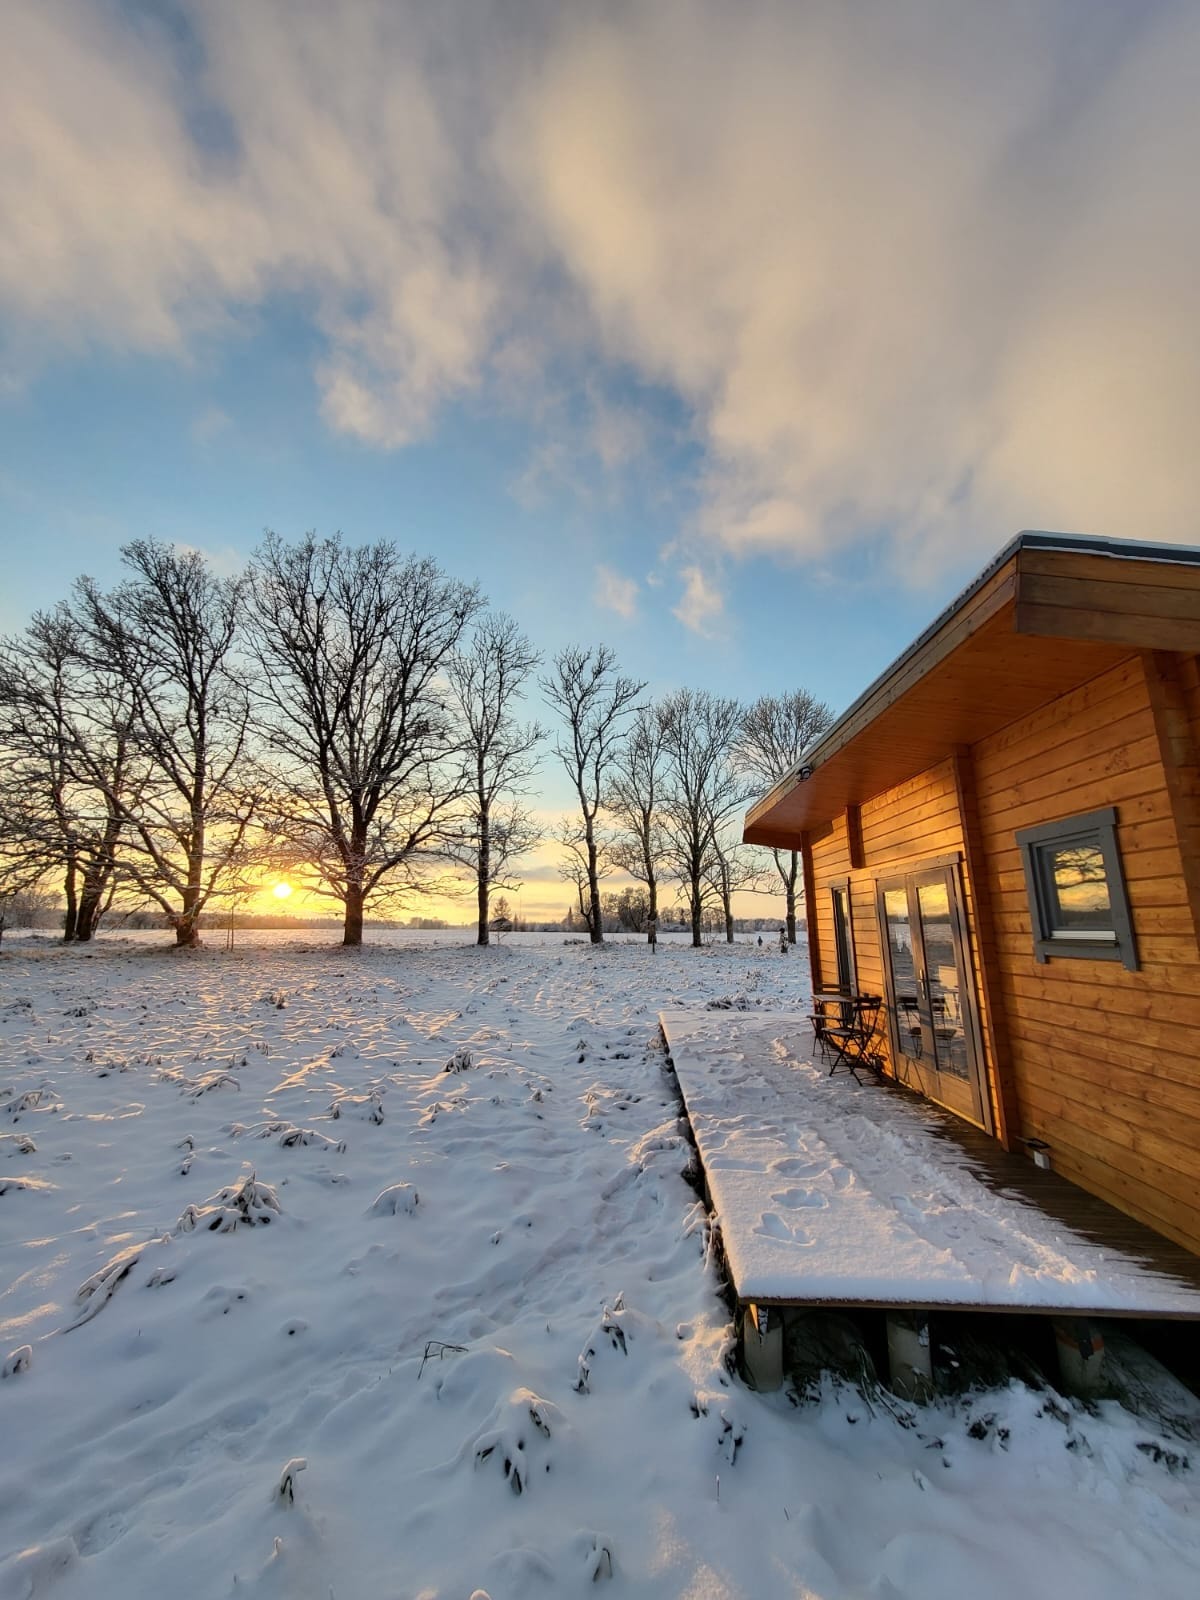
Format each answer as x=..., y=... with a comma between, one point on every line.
x=281, y=891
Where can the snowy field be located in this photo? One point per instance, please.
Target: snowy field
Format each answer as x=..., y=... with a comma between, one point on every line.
x=287, y=1309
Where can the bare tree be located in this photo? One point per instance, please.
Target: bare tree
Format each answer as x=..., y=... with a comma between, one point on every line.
x=633, y=800
x=22, y=862
x=733, y=868
x=167, y=636
x=67, y=726
x=594, y=702
x=702, y=791
x=774, y=733
x=487, y=679
x=366, y=751
x=573, y=868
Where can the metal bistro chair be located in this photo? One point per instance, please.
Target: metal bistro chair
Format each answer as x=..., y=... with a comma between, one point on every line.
x=844, y=1027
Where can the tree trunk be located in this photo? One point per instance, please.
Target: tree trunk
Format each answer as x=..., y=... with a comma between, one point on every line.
x=88, y=915
x=652, y=915
x=485, y=875
x=187, y=923
x=352, y=931
x=71, y=920
x=595, y=920
x=697, y=911
x=728, y=919
x=790, y=892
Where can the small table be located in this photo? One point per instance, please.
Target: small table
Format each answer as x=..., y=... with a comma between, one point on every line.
x=845, y=1024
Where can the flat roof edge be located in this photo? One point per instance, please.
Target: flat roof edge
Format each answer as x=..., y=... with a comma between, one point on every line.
x=1029, y=539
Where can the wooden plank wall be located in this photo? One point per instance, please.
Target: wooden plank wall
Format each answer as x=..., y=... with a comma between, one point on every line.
x=915, y=822
x=1104, y=1061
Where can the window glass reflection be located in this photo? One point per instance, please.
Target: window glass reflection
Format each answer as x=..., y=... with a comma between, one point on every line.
x=1079, y=886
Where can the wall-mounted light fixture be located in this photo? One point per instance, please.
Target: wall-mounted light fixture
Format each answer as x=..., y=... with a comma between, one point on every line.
x=805, y=773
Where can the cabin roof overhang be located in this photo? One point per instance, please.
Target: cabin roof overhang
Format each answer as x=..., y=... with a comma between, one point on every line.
x=1049, y=613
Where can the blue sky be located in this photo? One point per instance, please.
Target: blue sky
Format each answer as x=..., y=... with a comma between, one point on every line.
x=739, y=337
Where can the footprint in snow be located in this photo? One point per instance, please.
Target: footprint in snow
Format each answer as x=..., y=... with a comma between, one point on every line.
x=771, y=1226
x=794, y=1199
x=794, y=1167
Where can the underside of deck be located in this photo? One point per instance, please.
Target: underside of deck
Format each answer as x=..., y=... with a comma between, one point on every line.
x=835, y=1193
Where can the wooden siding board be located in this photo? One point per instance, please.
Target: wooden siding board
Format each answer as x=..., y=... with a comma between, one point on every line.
x=1088, y=567
x=1120, y=598
x=1102, y=627
x=1103, y=1060
x=1167, y=693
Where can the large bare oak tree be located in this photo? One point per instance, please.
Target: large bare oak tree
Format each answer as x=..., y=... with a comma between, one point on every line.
x=171, y=632
x=366, y=768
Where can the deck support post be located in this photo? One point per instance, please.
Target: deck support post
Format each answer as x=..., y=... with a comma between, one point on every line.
x=762, y=1346
x=1080, y=1346
x=910, y=1355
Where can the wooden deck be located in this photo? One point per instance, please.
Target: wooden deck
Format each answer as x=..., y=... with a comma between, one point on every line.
x=835, y=1193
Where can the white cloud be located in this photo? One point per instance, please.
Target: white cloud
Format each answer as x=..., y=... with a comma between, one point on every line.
x=613, y=592
x=702, y=603
x=344, y=185
x=914, y=269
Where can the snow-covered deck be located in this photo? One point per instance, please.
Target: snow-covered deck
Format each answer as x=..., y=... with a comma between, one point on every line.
x=837, y=1193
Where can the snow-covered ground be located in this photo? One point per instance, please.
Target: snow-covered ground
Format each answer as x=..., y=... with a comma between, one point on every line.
x=288, y=1309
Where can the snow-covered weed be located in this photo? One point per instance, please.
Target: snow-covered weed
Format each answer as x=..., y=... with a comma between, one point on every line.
x=515, y=1436
x=95, y=1292
x=19, y=1360
x=397, y=1199
x=363, y=1107
x=40, y=1100
x=106, y=1065
x=286, y=1134
x=593, y=1551
x=196, y=1088
x=19, y=1183
x=610, y=1333
x=286, y=1488
x=247, y=1204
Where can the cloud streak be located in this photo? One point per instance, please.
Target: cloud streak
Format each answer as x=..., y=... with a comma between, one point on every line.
x=615, y=593
x=701, y=604
x=918, y=271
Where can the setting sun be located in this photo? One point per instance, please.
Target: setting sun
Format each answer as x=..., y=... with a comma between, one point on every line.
x=282, y=890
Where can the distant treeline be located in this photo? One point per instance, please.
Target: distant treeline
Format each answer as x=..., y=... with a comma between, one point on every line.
x=349, y=716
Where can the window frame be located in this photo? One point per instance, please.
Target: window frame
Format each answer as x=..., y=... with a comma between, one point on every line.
x=1099, y=830
x=842, y=886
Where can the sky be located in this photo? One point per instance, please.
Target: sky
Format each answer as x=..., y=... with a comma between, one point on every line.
x=739, y=337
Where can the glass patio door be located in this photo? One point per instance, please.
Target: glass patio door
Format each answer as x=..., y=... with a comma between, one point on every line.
x=930, y=992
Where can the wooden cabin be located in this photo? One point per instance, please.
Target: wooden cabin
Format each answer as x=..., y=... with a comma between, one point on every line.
x=1001, y=837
